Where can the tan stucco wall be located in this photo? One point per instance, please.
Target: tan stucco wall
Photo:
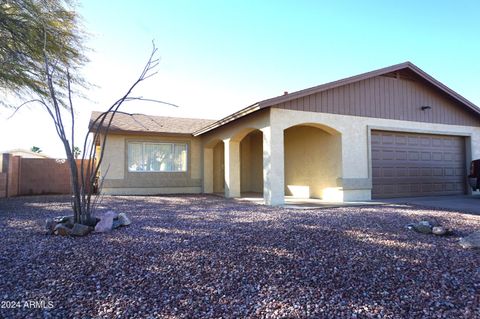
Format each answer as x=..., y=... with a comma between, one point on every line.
x=313, y=161
x=355, y=183
x=218, y=168
x=117, y=179
x=251, y=162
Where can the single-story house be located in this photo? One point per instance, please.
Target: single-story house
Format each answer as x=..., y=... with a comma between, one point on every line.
x=392, y=132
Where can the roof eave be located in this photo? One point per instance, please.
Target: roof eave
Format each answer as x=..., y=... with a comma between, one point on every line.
x=232, y=117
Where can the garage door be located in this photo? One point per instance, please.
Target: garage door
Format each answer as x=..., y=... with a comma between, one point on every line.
x=410, y=164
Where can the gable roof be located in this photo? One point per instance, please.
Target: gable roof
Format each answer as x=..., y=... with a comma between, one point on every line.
x=316, y=89
x=141, y=123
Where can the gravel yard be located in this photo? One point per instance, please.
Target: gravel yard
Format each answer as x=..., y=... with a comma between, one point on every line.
x=204, y=256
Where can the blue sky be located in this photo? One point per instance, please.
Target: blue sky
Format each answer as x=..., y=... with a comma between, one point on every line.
x=220, y=56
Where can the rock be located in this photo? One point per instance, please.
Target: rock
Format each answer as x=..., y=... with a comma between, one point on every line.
x=62, y=230
x=113, y=213
x=439, y=231
x=431, y=222
x=423, y=227
x=92, y=221
x=50, y=226
x=66, y=220
x=116, y=224
x=471, y=241
x=80, y=230
x=106, y=222
x=123, y=219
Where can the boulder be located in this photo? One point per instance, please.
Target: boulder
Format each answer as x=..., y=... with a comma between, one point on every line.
x=106, y=222
x=423, y=227
x=471, y=241
x=66, y=220
x=123, y=219
x=116, y=224
x=50, y=226
x=439, y=231
x=92, y=221
x=80, y=230
x=62, y=230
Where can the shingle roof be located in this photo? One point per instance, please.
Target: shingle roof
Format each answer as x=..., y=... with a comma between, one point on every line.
x=124, y=122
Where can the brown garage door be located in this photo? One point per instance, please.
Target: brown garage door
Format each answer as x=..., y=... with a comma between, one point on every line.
x=410, y=164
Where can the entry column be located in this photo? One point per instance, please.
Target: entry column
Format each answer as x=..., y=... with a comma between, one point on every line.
x=232, y=168
x=208, y=170
x=273, y=166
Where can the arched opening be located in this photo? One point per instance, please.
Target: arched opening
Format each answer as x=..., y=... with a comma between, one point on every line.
x=312, y=162
x=251, y=164
x=219, y=168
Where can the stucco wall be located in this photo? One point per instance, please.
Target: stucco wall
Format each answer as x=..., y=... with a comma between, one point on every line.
x=218, y=168
x=355, y=183
x=251, y=162
x=312, y=161
x=117, y=179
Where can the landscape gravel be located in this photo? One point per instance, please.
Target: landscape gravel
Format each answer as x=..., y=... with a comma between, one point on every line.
x=209, y=257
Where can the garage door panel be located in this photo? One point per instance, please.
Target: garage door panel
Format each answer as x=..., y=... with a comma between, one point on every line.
x=409, y=164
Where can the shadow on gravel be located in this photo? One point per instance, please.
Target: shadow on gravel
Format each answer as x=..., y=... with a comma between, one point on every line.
x=204, y=256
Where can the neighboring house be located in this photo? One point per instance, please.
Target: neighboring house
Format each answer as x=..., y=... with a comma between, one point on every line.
x=387, y=133
x=25, y=153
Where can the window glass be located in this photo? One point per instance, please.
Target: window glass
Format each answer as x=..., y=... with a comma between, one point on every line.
x=180, y=157
x=135, y=157
x=157, y=157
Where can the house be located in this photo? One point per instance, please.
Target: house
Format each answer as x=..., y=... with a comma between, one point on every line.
x=392, y=132
x=25, y=153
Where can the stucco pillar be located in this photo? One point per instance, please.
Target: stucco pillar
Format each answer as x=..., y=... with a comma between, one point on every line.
x=232, y=168
x=208, y=170
x=273, y=166
x=356, y=181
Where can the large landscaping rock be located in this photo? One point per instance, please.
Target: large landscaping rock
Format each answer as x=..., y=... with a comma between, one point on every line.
x=62, y=230
x=65, y=220
x=116, y=224
x=424, y=227
x=50, y=226
x=80, y=230
x=440, y=231
x=106, y=222
x=471, y=241
x=92, y=221
x=123, y=219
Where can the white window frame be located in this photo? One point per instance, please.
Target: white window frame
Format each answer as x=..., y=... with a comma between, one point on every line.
x=172, y=144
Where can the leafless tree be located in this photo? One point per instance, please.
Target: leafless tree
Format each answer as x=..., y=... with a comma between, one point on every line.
x=84, y=176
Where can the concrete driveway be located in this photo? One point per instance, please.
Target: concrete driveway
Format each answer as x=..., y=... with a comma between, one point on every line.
x=464, y=203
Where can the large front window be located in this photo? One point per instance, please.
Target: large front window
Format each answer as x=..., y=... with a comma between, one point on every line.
x=157, y=157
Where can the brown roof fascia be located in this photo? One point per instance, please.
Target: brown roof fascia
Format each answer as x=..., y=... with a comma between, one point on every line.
x=146, y=133
x=232, y=117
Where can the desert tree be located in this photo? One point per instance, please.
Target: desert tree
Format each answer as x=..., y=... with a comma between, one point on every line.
x=32, y=30
x=41, y=52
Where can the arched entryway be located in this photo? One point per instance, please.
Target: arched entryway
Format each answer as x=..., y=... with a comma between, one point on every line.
x=312, y=162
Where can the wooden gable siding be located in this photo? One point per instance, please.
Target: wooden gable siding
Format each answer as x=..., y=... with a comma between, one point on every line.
x=389, y=98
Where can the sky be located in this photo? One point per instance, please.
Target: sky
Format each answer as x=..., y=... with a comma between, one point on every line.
x=217, y=57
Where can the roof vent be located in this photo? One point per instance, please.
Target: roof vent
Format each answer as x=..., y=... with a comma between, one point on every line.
x=285, y=93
